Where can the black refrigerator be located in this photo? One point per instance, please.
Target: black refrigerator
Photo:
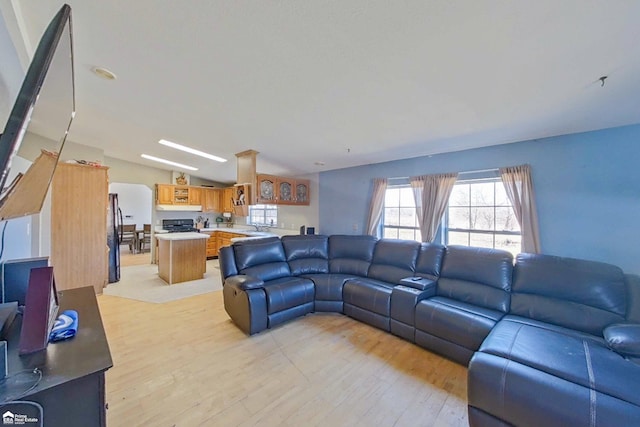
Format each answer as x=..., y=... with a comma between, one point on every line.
x=114, y=237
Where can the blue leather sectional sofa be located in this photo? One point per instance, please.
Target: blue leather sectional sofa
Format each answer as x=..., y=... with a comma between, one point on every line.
x=548, y=341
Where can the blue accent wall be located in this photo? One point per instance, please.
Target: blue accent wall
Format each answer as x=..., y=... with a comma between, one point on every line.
x=587, y=187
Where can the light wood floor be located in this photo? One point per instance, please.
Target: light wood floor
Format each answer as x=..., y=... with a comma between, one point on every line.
x=185, y=364
x=127, y=258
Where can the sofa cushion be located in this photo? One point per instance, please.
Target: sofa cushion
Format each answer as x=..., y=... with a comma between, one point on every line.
x=306, y=254
x=351, y=254
x=584, y=362
x=623, y=338
x=369, y=294
x=464, y=324
x=288, y=292
x=578, y=294
x=393, y=260
x=328, y=286
x=478, y=276
x=429, y=262
x=550, y=326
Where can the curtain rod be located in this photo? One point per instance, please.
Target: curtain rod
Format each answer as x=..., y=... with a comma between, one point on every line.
x=459, y=173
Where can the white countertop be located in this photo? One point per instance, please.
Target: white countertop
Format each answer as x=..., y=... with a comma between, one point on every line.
x=260, y=236
x=181, y=236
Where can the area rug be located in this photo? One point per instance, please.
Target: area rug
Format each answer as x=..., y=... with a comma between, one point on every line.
x=142, y=283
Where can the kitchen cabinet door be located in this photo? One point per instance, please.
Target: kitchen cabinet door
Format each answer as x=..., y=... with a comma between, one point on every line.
x=211, y=200
x=302, y=191
x=227, y=199
x=285, y=194
x=164, y=194
x=267, y=188
x=195, y=196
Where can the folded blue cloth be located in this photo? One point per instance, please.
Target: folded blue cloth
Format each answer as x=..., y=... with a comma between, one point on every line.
x=65, y=327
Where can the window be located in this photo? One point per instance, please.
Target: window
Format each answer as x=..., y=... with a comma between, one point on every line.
x=263, y=214
x=480, y=214
x=399, y=216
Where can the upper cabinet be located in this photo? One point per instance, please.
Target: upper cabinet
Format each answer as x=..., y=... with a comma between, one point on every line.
x=195, y=196
x=282, y=190
x=211, y=198
x=267, y=185
x=227, y=199
x=302, y=191
x=164, y=194
x=179, y=195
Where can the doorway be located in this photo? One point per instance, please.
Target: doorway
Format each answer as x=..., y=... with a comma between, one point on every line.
x=136, y=203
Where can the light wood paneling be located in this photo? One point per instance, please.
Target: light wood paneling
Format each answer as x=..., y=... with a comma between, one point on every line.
x=27, y=194
x=79, y=226
x=185, y=364
x=182, y=260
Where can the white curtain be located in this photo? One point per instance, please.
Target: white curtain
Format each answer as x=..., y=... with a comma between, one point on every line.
x=431, y=193
x=519, y=187
x=377, y=203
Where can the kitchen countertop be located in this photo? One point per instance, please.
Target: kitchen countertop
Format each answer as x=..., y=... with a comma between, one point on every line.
x=181, y=236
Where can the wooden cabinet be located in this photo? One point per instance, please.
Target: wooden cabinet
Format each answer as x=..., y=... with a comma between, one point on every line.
x=212, y=244
x=195, y=195
x=168, y=194
x=180, y=195
x=164, y=194
x=211, y=199
x=302, y=191
x=266, y=191
x=282, y=190
x=227, y=199
x=224, y=238
x=79, y=199
x=218, y=239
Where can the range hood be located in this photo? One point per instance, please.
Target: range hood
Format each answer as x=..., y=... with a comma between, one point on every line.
x=183, y=208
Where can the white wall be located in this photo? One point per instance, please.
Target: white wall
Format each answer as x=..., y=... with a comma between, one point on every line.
x=17, y=236
x=135, y=202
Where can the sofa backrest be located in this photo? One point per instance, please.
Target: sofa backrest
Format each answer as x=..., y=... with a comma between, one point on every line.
x=429, y=263
x=578, y=294
x=393, y=260
x=307, y=254
x=261, y=258
x=480, y=276
x=633, y=297
x=350, y=254
x=227, y=262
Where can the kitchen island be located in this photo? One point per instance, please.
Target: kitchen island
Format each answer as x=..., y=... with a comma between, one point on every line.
x=181, y=256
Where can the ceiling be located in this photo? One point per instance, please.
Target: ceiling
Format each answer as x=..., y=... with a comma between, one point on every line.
x=343, y=83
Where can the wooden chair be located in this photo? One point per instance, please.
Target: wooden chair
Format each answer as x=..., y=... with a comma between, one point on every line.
x=128, y=236
x=145, y=243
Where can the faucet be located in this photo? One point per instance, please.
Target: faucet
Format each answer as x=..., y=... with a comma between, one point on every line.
x=260, y=227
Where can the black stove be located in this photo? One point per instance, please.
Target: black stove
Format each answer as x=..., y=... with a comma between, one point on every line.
x=178, y=225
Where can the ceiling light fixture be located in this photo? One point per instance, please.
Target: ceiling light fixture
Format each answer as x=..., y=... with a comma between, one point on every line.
x=168, y=162
x=104, y=73
x=191, y=150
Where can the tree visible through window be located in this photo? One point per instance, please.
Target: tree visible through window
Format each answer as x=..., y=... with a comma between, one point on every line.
x=480, y=214
x=400, y=220
x=264, y=214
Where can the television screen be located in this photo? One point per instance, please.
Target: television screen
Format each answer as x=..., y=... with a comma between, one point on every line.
x=43, y=111
x=14, y=277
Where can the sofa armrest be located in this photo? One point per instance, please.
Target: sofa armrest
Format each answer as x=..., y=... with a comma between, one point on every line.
x=244, y=282
x=623, y=338
x=421, y=283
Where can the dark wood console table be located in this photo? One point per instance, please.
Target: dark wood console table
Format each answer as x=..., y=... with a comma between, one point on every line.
x=72, y=388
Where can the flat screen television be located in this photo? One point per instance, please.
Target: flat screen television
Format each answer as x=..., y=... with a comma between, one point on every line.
x=43, y=110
